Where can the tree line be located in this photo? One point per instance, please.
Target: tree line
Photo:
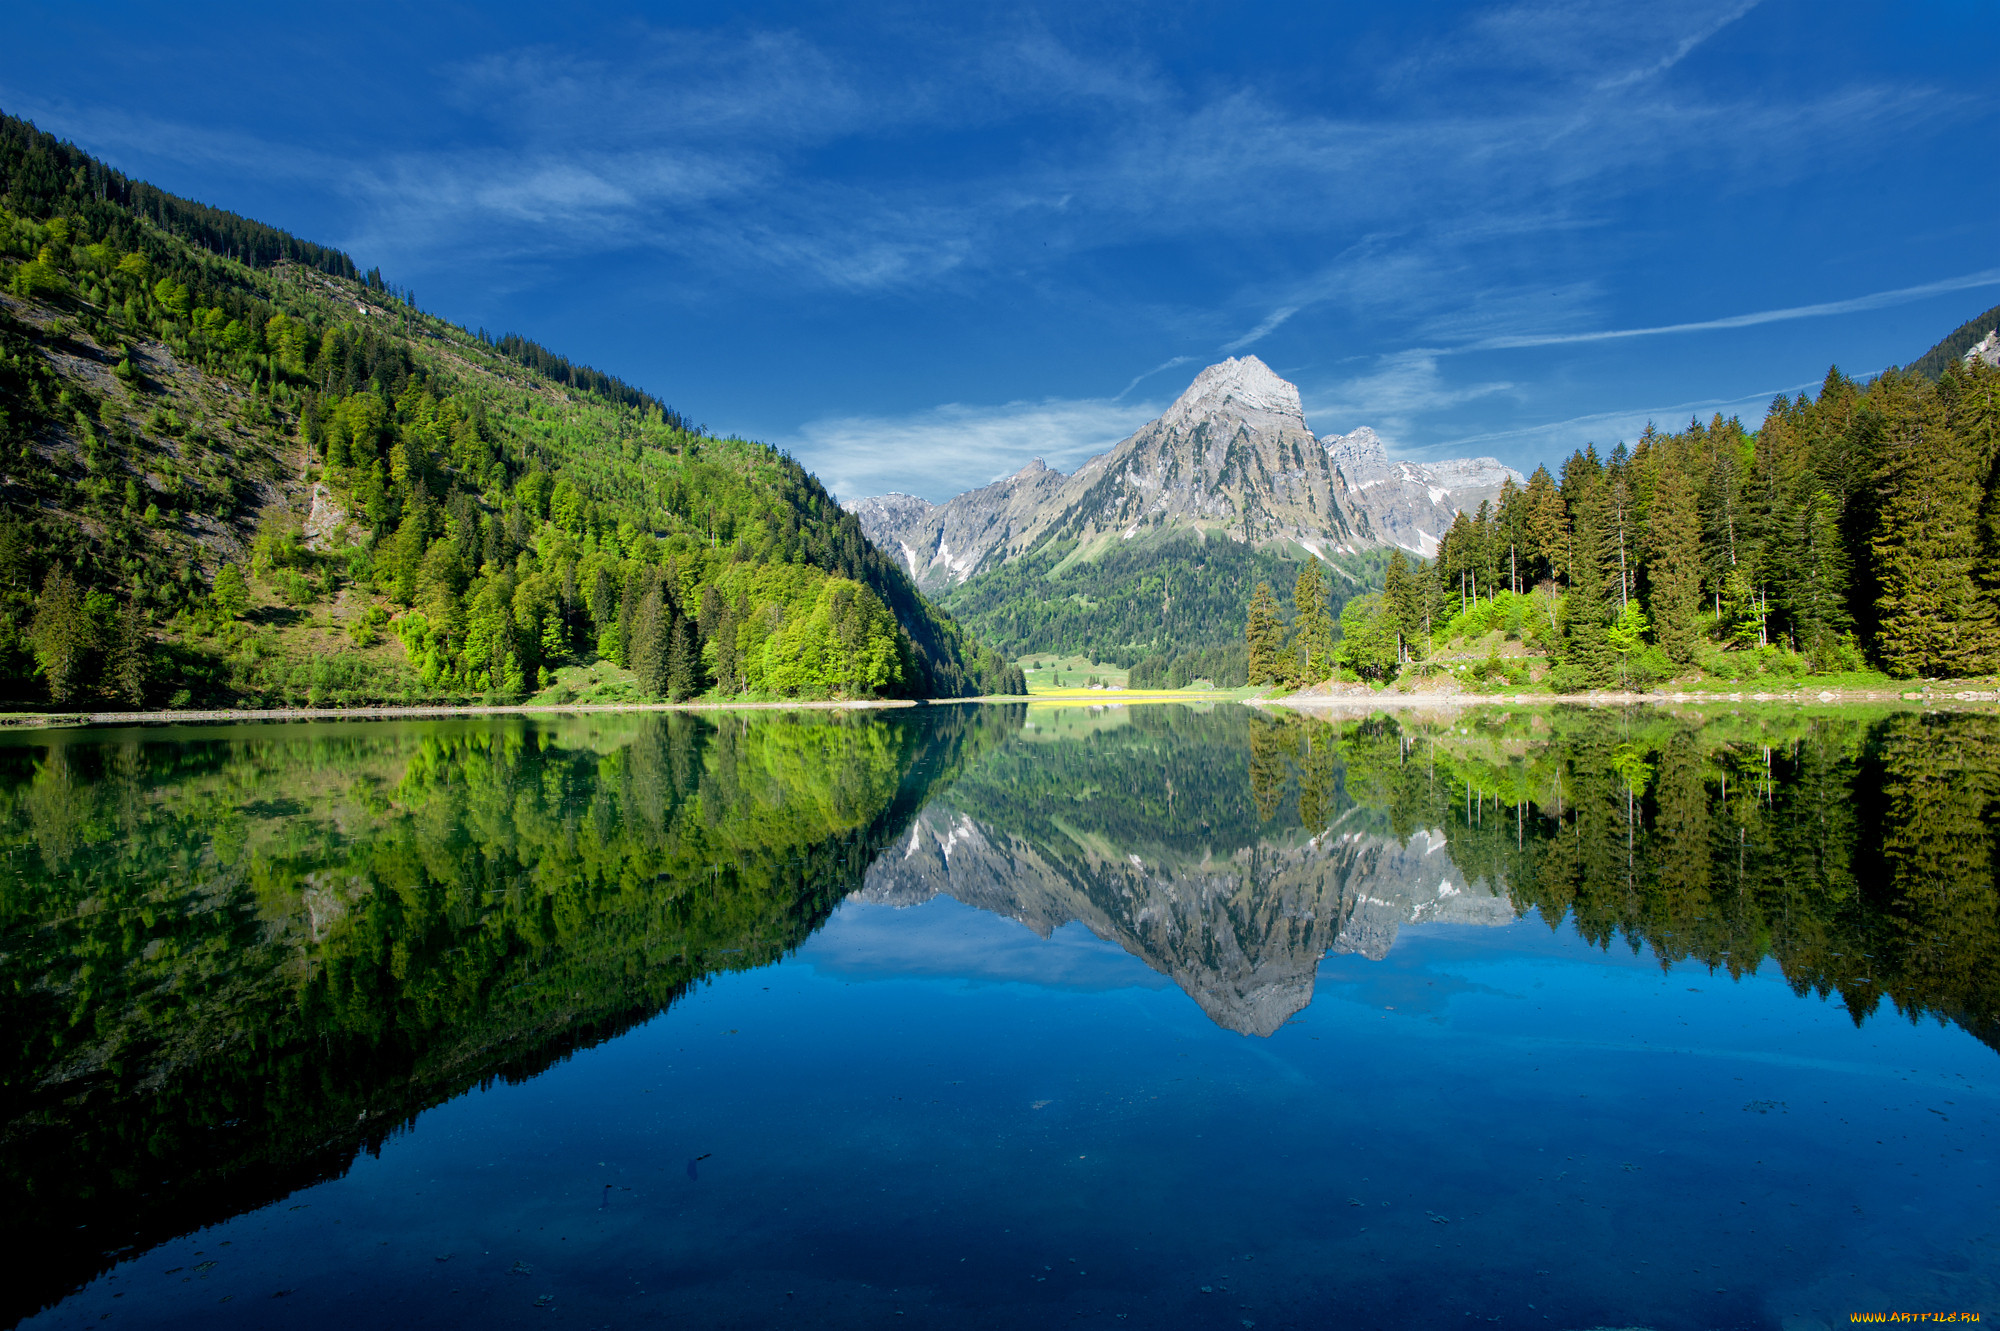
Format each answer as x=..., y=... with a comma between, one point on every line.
x=1854, y=849
x=509, y=511
x=1856, y=527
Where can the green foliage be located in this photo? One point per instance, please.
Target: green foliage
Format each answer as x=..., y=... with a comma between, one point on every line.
x=1225, y=667
x=501, y=497
x=1264, y=638
x=1863, y=525
x=1312, y=624
x=1157, y=595
x=63, y=635
x=313, y=937
x=1369, y=637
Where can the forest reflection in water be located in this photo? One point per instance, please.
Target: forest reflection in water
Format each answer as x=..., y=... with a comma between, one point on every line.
x=238, y=957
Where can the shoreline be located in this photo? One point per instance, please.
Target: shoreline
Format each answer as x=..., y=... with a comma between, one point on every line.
x=1308, y=701
x=191, y=716
x=1619, y=698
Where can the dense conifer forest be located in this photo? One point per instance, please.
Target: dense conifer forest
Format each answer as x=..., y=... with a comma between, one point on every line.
x=1169, y=608
x=1857, y=529
x=234, y=470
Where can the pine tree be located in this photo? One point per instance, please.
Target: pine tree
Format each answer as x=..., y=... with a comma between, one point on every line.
x=1547, y=524
x=1673, y=545
x=652, y=634
x=1935, y=617
x=1312, y=621
x=1585, y=619
x=126, y=666
x=63, y=634
x=1811, y=574
x=1264, y=636
x=684, y=679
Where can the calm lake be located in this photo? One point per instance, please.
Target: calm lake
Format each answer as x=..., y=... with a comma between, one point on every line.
x=1005, y=1016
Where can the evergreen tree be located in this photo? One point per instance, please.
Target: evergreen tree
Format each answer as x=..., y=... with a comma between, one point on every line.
x=652, y=636
x=1585, y=618
x=1312, y=622
x=63, y=635
x=127, y=664
x=1673, y=546
x=1810, y=571
x=1547, y=523
x=1935, y=617
x=684, y=679
x=1264, y=636
x=1510, y=535
x=1403, y=597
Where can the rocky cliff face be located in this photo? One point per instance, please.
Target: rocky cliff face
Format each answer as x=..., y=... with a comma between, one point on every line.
x=1243, y=935
x=1412, y=504
x=1986, y=348
x=942, y=544
x=1232, y=455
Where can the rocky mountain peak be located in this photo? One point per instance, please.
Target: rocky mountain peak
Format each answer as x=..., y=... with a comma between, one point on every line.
x=1246, y=388
x=1359, y=454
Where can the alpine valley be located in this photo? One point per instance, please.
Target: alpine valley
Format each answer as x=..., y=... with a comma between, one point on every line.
x=1151, y=550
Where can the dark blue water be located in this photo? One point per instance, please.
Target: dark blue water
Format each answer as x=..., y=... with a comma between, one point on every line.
x=1493, y=1124
x=930, y=1115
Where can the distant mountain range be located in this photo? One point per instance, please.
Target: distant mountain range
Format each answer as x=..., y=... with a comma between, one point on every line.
x=1232, y=456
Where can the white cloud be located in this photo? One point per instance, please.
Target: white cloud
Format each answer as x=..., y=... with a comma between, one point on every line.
x=1392, y=397
x=950, y=449
x=1858, y=304
x=1272, y=322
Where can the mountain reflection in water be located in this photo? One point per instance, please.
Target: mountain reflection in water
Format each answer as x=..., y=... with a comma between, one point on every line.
x=236, y=958
x=1232, y=850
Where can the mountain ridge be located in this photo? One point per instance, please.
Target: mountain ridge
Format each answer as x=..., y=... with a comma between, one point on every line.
x=1232, y=455
x=235, y=471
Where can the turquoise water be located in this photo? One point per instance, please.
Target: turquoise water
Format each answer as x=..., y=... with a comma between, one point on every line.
x=1006, y=1018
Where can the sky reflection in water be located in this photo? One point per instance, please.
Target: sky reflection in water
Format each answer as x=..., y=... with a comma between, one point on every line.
x=1270, y=1048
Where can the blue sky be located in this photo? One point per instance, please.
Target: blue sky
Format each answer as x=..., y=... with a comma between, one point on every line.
x=919, y=245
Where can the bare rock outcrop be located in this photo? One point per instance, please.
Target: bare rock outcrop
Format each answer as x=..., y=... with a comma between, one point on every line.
x=1232, y=456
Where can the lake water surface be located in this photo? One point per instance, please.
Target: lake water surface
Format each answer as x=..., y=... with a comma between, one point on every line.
x=1004, y=1016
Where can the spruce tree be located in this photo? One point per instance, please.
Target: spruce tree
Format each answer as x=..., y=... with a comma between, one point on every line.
x=652, y=637
x=684, y=673
x=1547, y=528
x=1313, y=623
x=1935, y=618
x=1264, y=636
x=126, y=665
x=1673, y=546
x=1510, y=531
x=1585, y=619
x=63, y=635
x=1811, y=575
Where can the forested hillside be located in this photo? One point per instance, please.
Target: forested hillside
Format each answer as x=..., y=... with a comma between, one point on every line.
x=1168, y=606
x=1856, y=528
x=233, y=470
x=1955, y=344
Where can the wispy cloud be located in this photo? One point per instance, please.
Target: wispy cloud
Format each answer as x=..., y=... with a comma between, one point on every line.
x=1272, y=322
x=1138, y=379
x=1681, y=49
x=947, y=450
x=1393, y=397
x=1858, y=304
